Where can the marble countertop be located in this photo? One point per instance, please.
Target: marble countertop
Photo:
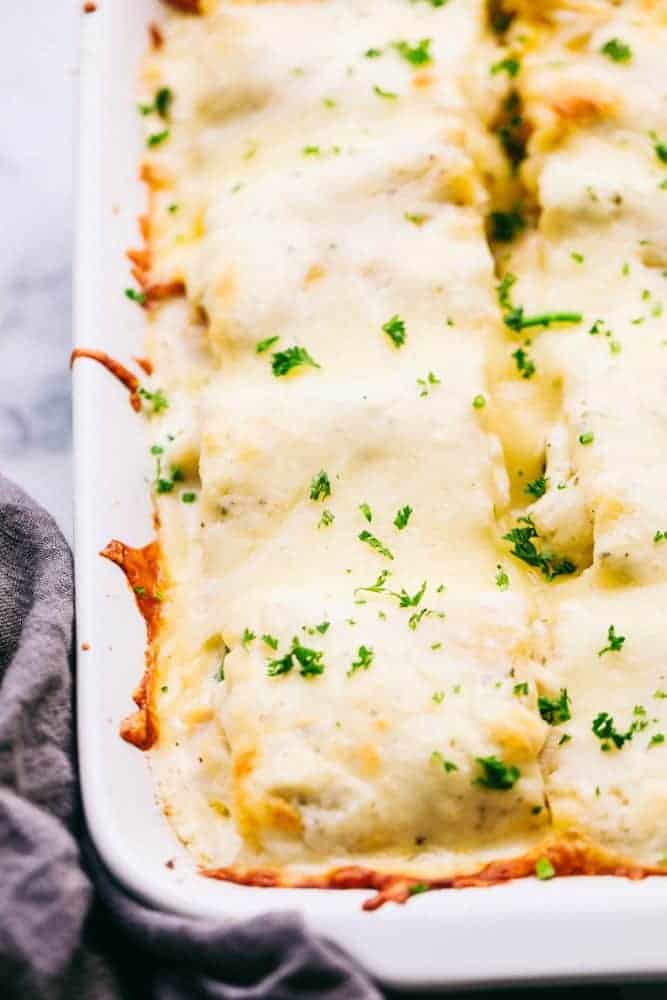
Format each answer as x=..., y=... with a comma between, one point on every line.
x=38, y=78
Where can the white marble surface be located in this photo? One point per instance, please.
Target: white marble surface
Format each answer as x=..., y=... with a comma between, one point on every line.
x=38, y=76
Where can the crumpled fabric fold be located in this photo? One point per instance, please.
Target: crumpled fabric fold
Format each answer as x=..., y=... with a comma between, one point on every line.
x=67, y=930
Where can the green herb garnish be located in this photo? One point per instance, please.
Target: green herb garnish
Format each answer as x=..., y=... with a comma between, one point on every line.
x=363, y=661
x=615, y=642
x=402, y=517
x=375, y=543
x=496, y=775
x=555, y=710
x=320, y=487
x=524, y=548
x=395, y=329
x=294, y=357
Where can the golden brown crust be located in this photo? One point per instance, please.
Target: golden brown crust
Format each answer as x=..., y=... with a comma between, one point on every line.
x=118, y=370
x=142, y=571
x=569, y=856
x=184, y=6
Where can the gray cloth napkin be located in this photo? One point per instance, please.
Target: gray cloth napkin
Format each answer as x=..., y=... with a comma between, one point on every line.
x=67, y=931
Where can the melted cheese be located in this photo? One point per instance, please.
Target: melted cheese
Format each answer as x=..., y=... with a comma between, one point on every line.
x=333, y=685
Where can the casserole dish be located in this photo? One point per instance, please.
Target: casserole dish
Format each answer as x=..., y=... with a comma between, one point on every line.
x=526, y=931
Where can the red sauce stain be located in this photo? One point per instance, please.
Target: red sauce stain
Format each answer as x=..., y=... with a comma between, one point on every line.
x=142, y=572
x=155, y=36
x=567, y=857
x=184, y=6
x=119, y=371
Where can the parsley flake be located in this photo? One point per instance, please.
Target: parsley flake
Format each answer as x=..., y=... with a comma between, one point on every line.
x=375, y=543
x=416, y=55
x=524, y=548
x=555, y=710
x=363, y=661
x=320, y=487
x=395, y=330
x=263, y=345
x=366, y=511
x=502, y=579
x=617, y=50
x=284, y=362
x=309, y=661
x=447, y=765
x=402, y=517
x=387, y=94
x=537, y=488
x=496, y=775
x=544, y=869
x=509, y=65
x=615, y=642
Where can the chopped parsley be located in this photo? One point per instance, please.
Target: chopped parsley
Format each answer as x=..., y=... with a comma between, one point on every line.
x=247, y=637
x=656, y=739
x=578, y=258
x=504, y=289
x=157, y=138
x=375, y=543
x=496, y=775
x=366, y=511
x=402, y=517
x=617, y=50
x=395, y=330
x=161, y=104
x=615, y=642
x=525, y=365
x=320, y=487
x=404, y=599
x=555, y=710
x=416, y=55
x=659, y=147
x=524, y=548
x=418, y=888
x=516, y=320
x=363, y=661
x=416, y=218
x=509, y=65
x=263, y=345
x=424, y=383
x=537, y=488
x=505, y=226
x=479, y=402
x=309, y=661
x=384, y=93
x=587, y=438
x=379, y=586
x=502, y=579
x=270, y=641
x=544, y=869
x=605, y=730
x=188, y=497
x=438, y=697
x=135, y=296
x=448, y=765
x=660, y=536
x=326, y=520
x=373, y=53
x=156, y=400
x=284, y=362
x=311, y=150
x=520, y=689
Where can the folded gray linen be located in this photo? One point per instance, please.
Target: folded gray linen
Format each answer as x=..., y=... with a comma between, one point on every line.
x=67, y=930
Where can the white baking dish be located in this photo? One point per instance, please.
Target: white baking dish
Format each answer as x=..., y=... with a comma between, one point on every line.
x=568, y=929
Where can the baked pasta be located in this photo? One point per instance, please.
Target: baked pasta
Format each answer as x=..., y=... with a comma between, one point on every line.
x=404, y=269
